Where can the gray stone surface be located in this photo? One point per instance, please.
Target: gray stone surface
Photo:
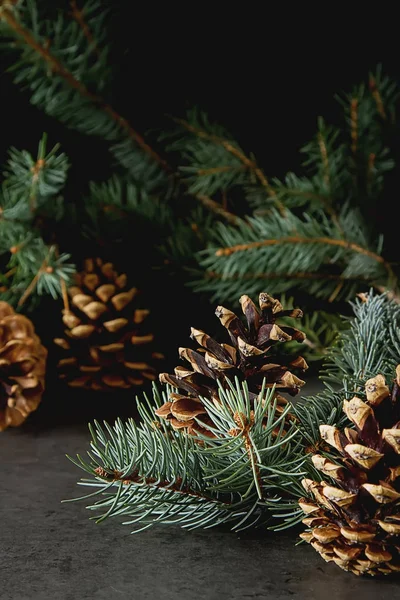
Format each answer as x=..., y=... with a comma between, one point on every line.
x=52, y=551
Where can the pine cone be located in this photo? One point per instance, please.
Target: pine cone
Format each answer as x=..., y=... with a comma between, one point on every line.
x=107, y=342
x=250, y=358
x=22, y=368
x=354, y=521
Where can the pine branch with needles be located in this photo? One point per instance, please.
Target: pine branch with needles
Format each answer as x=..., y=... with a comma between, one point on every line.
x=150, y=473
x=31, y=199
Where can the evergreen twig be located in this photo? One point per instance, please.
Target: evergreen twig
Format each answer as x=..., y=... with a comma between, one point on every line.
x=58, y=68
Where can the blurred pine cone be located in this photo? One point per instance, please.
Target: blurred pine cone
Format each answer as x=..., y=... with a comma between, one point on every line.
x=22, y=367
x=107, y=342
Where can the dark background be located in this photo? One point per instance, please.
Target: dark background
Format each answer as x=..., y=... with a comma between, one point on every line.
x=265, y=76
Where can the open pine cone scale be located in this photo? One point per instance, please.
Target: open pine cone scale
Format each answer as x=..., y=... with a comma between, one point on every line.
x=250, y=357
x=355, y=521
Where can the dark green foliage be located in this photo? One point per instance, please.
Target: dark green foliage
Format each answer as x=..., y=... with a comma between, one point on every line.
x=311, y=231
x=310, y=252
x=30, y=202
x=58, y=74
x=62, y=60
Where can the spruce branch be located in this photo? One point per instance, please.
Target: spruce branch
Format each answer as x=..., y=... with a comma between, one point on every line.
x=230, y=147
x=331, y=242
x=38, y=179
x=217, y=209
x=209, y=145
x=30, y=197
x=335, y=261
x=79, y=15
x=76, y=81
x=40, y=49
x=303, y=240
x=371, y=345
x=151, y=473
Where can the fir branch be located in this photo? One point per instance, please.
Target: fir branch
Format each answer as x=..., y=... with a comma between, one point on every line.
x=38, y=180
x=199, y=126
x=79, y=16
x=272, y=249
x=370, y=346
x=229, y=147
x=298, y=275
x=152, y=474
x=218, y=209
x=303, y=240
x=31, y=194
x=56, y=67
x=377, y=96
x=87, y=110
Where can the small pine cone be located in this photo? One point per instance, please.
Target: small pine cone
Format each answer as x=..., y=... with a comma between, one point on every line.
x=250, y=357
x=108, y=344
x=22, y=368
x=353, y=518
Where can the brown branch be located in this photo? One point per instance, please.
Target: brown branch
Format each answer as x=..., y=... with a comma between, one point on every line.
x=10, y=273
x=299, y=240
x=212, y=171
x=135, y=478
x=57, y=67
x=229, y=147
x=77, y=14
x=371, y=165
x=377, y=97
x=354, y=124
x=324, y=154
x=35, y=170
x=33, y=283
x=243, y=430
x=64, y=293
x=217, y=208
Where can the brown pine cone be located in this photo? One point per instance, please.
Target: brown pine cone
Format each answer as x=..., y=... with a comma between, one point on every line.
x=107, y=342
x=250, y=357
x=354, y=516
x=22, y=368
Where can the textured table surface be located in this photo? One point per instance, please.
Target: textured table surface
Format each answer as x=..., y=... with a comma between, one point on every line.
x=50, y=550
